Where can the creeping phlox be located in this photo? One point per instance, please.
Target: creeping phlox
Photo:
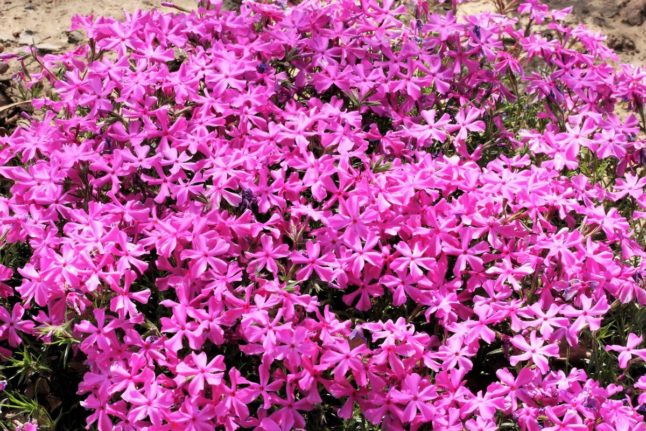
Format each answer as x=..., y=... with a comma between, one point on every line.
x=348, y=210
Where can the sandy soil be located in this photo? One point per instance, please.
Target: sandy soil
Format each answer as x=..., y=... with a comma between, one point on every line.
x=622, y=21
x=45, y=23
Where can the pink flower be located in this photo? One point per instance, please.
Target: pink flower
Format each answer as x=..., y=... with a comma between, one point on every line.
x=100, y=414
x=412, y=261
x=559, y=246
x=153, y=404
x=183, y=327
x=536, y=350
x=588, y=315
x=123, y=302
x=203, y=254
x=352, y=220
x=268, y=256
x=466, y=253
x=234, y=397
x=546, y=320
x=433, y=129
x=314, y=262
x=288, y=415
x=516, y=388
x=507, y=272
x=200, y=372
x=13, y=323
x=37, y=285
x=265, y=388
x=360, y=254
x=368, y=208
x=416, y=394
x=486, y=404
x=293, y=345
x=632, y=185
x=466, y=121
x=192, y=417
x=101, y=335
x=570, y=422
x=343, y=358
x=629, y=350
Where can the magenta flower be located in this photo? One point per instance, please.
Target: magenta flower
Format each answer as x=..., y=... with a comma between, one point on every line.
x=314, y=262
x=265, y=388
x=150, y=403
x=13, y=323
x=343, y=359
x=203, y=255
x=570, y=422
x=535, y=350
x=467, y=253
x=234, y=397
x=182, y=327
x=262, y=217
x=485, y=404
x=546, y=321
x=466, y=121
x=268, y=256
x=412, y=261
x=509, y=273
x=559, y=246
x=289, y=414
x=100, y=416
x=200, y=372
x=123, y=303
x=516, y=388
x=293, y=345
x=632, y=185
x=100, y=334
x=629, y=350
x=588, y=315
x=432, y=130
x=362, y=254
x=352, y=220
x=37, y=285
x=415, y=394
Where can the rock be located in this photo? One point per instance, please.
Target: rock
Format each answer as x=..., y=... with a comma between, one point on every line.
x=47, y=48
x=600, y=21
x=621, y=43
x=634, y=13
x=44, y=45
x=3, y=67
x=73, y=37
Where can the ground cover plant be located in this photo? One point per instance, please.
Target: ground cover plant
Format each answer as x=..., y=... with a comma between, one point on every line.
x=343, y=215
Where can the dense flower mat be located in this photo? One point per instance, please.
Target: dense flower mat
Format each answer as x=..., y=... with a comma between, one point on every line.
x=332, y=215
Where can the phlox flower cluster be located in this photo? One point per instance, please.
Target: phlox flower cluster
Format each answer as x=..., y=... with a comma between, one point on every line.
x=286, y=216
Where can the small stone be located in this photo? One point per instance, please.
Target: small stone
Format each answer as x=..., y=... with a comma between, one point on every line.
x=73, y=37
x=600, y=21
x=634, y=13
x=46, y=48
x=3, y=68
x=621, y=43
